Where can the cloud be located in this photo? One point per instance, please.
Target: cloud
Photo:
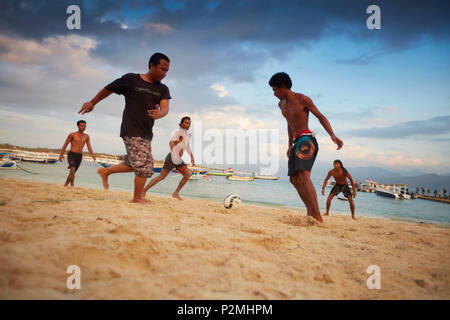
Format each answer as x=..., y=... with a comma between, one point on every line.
x=158, y=27
x=355, y=154
x=59, y=55
x=433, y=126
x=226, y=36
x=220, y=90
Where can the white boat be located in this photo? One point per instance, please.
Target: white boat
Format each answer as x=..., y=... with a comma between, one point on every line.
x=108, y=162
x=394, y=191
x=265, y=177
x=38, y=157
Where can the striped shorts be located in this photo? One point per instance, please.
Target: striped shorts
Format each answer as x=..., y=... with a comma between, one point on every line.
x=139, y=155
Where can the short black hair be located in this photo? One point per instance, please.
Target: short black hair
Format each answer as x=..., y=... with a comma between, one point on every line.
x=156, y=58
x=279, y=79
x=80, y=121
x=184, y=118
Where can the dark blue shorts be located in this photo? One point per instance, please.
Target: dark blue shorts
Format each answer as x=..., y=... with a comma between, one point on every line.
x=303, y=154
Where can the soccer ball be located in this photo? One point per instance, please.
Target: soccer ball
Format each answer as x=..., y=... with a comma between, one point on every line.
x=231, y=201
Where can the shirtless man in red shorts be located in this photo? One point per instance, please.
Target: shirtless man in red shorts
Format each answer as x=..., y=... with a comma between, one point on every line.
x=303, y=146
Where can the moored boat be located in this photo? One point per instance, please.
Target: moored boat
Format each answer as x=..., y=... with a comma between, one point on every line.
x=394, y=191
x=239, y=178
x=264, y=177
x=37, y=157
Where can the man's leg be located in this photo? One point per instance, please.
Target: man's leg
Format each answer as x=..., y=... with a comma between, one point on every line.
x=352, y=206
x=155, y=180
x=297, y=184
x=72, y=181
x=69, y=176
x=330, y=197
x=105, y=172
x=186, y=175
x=139, y=184
x=307, y=192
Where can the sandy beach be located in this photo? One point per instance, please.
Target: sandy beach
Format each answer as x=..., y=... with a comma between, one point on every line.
x=197, y=249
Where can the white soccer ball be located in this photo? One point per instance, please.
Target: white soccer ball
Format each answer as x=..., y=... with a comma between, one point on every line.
x=231, y=201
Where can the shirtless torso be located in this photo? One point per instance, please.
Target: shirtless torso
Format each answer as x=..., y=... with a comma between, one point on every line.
x=77, y=141
x=295, y=108
x=338, y=175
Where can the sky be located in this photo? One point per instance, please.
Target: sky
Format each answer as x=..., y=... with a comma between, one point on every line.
x=385, y=92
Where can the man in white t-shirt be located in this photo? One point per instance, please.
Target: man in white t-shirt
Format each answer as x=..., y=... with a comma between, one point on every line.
x=181, y=140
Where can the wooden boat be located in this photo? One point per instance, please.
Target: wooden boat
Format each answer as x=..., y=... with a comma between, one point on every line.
x=221, y=174
x=240, y=178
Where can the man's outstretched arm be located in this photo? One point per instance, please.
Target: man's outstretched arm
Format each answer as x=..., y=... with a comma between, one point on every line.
x=325, y=182
x=324, y=121
x=89, y=106
x=88, y=143
x=63, y=149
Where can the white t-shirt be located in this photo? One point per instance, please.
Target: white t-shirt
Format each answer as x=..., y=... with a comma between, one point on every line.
x=183, y=145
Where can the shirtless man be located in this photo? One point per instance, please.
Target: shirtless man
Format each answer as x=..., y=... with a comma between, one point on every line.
x=340, y=175
x=303, y=146
x=180, y=141
x=75, y=154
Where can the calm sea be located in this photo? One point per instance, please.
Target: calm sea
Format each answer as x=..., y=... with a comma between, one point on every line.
x=278, y=193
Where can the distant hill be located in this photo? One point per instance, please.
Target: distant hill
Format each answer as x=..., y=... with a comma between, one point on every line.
x=432, y=181
x=374, y=173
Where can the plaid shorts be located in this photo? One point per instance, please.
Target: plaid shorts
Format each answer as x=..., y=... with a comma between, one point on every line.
x=139, y=155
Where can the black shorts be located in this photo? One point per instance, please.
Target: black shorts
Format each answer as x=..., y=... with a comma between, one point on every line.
x=169, y=165
x=74, y=159
x=344, y=188
x=303, y=154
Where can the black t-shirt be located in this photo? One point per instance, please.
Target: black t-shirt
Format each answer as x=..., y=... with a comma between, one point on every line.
x=140, y=96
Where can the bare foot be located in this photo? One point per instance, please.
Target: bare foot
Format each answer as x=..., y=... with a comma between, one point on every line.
x=177, y=196
x=318, y=217
x=326, y=214
x=104, y=177
x=353, y=217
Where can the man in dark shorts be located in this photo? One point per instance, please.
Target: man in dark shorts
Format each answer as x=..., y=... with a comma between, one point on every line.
x=303, y=146
x=146, y=99
x=77, y=141
x=340, y=175
x=180, y=141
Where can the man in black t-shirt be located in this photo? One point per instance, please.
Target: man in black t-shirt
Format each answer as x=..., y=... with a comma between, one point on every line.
x=146, y=99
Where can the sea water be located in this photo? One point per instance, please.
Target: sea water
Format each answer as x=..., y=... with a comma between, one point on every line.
x=268, y=193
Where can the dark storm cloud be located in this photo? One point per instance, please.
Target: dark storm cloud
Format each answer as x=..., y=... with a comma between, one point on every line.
x=297, y=23
x=423, y=128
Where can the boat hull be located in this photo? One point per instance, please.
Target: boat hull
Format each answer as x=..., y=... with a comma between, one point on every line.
x=386, y=194
x=234, y=178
